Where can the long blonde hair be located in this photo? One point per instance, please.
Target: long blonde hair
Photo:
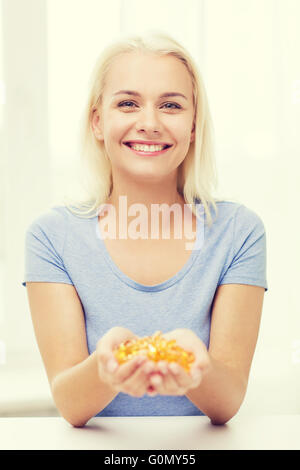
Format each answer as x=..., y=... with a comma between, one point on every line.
x=197, y=175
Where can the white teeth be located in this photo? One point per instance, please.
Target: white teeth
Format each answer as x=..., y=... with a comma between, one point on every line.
x=147, y=148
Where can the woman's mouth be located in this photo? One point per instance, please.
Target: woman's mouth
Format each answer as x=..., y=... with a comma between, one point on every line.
x=147, y=150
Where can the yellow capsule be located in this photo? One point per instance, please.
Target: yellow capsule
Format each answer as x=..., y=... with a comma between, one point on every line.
x=156, y=348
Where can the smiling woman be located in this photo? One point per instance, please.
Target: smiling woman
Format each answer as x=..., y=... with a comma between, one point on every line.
x=149, y=119
x=147, y=137
x=179, y=102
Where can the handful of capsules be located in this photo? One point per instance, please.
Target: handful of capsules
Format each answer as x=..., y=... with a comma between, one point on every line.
x=156, y=348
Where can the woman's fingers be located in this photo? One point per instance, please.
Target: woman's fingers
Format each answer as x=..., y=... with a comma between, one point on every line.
x=192, y=379
x=125, y=371
x=137, y=384
x=140, y=375
x=135, y=378
x=164, y=381
x=174, y=380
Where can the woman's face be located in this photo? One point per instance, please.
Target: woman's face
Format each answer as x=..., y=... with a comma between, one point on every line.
x=134, y=109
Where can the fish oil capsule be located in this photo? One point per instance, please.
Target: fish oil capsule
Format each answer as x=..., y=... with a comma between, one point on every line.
x=156, y=348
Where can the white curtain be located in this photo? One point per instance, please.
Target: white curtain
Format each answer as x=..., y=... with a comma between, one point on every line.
x=248, y=52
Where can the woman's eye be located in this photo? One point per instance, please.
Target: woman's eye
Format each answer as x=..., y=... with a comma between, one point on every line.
x=177, y=106
x=125, y=104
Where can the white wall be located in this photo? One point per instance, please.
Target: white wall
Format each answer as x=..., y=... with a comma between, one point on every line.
x=247, y=53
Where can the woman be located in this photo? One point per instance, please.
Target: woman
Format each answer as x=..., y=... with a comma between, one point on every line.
x=147, y=142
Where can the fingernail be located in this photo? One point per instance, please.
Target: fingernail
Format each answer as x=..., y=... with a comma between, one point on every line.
x=149, y=368
x=156, y=380
x=112, y=365
x=163, y=368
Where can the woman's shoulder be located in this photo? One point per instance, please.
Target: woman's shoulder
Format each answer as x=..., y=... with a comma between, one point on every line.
x=233, y=210
x=241, y=214
x=51, y=218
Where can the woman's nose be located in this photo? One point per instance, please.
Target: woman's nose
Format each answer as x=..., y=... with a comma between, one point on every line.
x=148, y=120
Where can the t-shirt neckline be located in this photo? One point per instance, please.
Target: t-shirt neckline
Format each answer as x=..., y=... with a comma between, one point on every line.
x=168, y=282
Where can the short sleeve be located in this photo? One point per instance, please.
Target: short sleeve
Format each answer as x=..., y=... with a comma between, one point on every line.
x=44, y=241
x=248, y=260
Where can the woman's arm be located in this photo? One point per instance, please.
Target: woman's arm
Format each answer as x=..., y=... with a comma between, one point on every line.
x=220, y=393
x=81, y=384
x=234, y=330
x=73, y=376
x=78, y=392
x=218, y=378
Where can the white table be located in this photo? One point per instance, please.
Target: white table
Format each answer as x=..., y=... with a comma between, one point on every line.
x=152, y=433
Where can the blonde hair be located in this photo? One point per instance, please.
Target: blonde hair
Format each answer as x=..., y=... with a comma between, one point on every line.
x=197, y=175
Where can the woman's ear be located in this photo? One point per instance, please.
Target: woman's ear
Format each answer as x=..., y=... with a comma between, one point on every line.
x=96, y=125
x=193, y=134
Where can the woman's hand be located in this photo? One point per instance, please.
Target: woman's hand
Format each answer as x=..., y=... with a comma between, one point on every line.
x=171, y=378
x=140, y=375
x=132, y=377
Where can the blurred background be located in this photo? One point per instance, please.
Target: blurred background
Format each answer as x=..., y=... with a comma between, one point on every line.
x=248, y=53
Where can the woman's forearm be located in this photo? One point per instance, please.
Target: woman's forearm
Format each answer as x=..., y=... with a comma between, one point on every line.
x=220, y=393
x=79, y=393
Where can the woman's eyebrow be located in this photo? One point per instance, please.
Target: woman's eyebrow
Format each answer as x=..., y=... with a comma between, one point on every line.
x=135, y=93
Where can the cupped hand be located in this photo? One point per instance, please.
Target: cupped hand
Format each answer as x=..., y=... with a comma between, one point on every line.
x=170, y=378
x=131, y=377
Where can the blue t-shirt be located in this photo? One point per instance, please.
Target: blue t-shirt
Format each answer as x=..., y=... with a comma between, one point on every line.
x=65, y=248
